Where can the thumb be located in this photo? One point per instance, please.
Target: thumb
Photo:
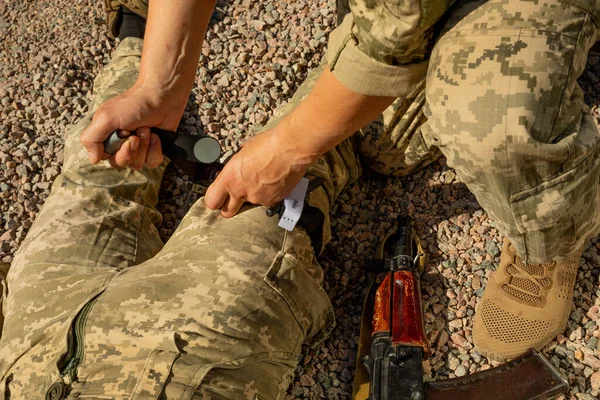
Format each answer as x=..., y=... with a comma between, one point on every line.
x=216, y=195
x=93, y=137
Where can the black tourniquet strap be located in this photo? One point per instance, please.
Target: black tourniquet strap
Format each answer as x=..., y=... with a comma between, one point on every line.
x=131, y=25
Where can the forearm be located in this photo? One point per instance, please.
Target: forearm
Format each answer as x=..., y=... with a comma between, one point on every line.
x=172, y=44
x=329, y=114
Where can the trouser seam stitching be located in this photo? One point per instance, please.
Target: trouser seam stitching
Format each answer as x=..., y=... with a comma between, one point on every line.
x=137, y=236
x=569, y=71
x=506, y=155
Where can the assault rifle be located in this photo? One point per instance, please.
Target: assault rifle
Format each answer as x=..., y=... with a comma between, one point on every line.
x=398, y=343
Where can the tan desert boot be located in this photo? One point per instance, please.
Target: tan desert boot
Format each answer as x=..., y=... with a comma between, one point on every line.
x=524, y=306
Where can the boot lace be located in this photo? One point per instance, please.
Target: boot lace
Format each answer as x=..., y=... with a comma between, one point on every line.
x=527, y=280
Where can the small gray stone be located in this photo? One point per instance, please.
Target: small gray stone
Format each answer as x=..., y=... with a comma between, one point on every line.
x=564, y=353
x=306, y=380
x=492, y=248
x=43, y=185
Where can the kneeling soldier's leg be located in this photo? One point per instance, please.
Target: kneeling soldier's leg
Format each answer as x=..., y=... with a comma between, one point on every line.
x=505, y=108
x=393, y=144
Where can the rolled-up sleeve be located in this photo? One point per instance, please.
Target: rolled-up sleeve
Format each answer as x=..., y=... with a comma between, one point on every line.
x=381, y=47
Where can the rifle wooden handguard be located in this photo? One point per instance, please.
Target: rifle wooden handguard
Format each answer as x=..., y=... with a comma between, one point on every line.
x=406, y=324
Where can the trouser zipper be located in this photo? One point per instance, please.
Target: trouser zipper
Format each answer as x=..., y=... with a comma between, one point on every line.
x=75, y=351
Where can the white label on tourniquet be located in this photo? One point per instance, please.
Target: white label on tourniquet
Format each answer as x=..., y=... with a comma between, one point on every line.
x=294, y=204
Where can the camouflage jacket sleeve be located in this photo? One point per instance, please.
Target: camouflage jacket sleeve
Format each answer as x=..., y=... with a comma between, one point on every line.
x=381, y=47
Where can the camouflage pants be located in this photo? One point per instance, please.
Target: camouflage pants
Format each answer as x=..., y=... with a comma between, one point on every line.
x=221, y=310
x=504, y=107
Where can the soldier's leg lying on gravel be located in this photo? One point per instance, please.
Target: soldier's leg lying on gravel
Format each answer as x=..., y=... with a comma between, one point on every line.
x=96, y=222
x=504, y=107
x=96, y=306
x=223, y=308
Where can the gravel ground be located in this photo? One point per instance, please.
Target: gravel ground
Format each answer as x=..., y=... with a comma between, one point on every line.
x=256, y=54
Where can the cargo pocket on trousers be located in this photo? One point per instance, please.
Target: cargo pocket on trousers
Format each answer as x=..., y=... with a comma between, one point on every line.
x=306, y=298
x=558, y=199
x=554, y=218
x=154, y=375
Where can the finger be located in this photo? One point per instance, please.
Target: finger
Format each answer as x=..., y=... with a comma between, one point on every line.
x=155, y=155
x=140, y=159
x=113, y=164
x=127, y=153
x=96, y=132
x=216, y=195
x=231, y=207
x=123, y=134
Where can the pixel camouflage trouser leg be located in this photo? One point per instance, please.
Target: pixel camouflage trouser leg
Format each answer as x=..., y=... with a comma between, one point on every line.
x=504, y=107
x=114, y=10
x=220, y=311
x=502, y=103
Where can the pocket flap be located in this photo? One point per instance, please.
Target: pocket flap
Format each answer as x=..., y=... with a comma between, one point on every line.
x=156, y=371
x=307, y=299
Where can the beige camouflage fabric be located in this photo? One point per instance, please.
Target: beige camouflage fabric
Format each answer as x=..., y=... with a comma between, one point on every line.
x=97, y=307
x=504, y=107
